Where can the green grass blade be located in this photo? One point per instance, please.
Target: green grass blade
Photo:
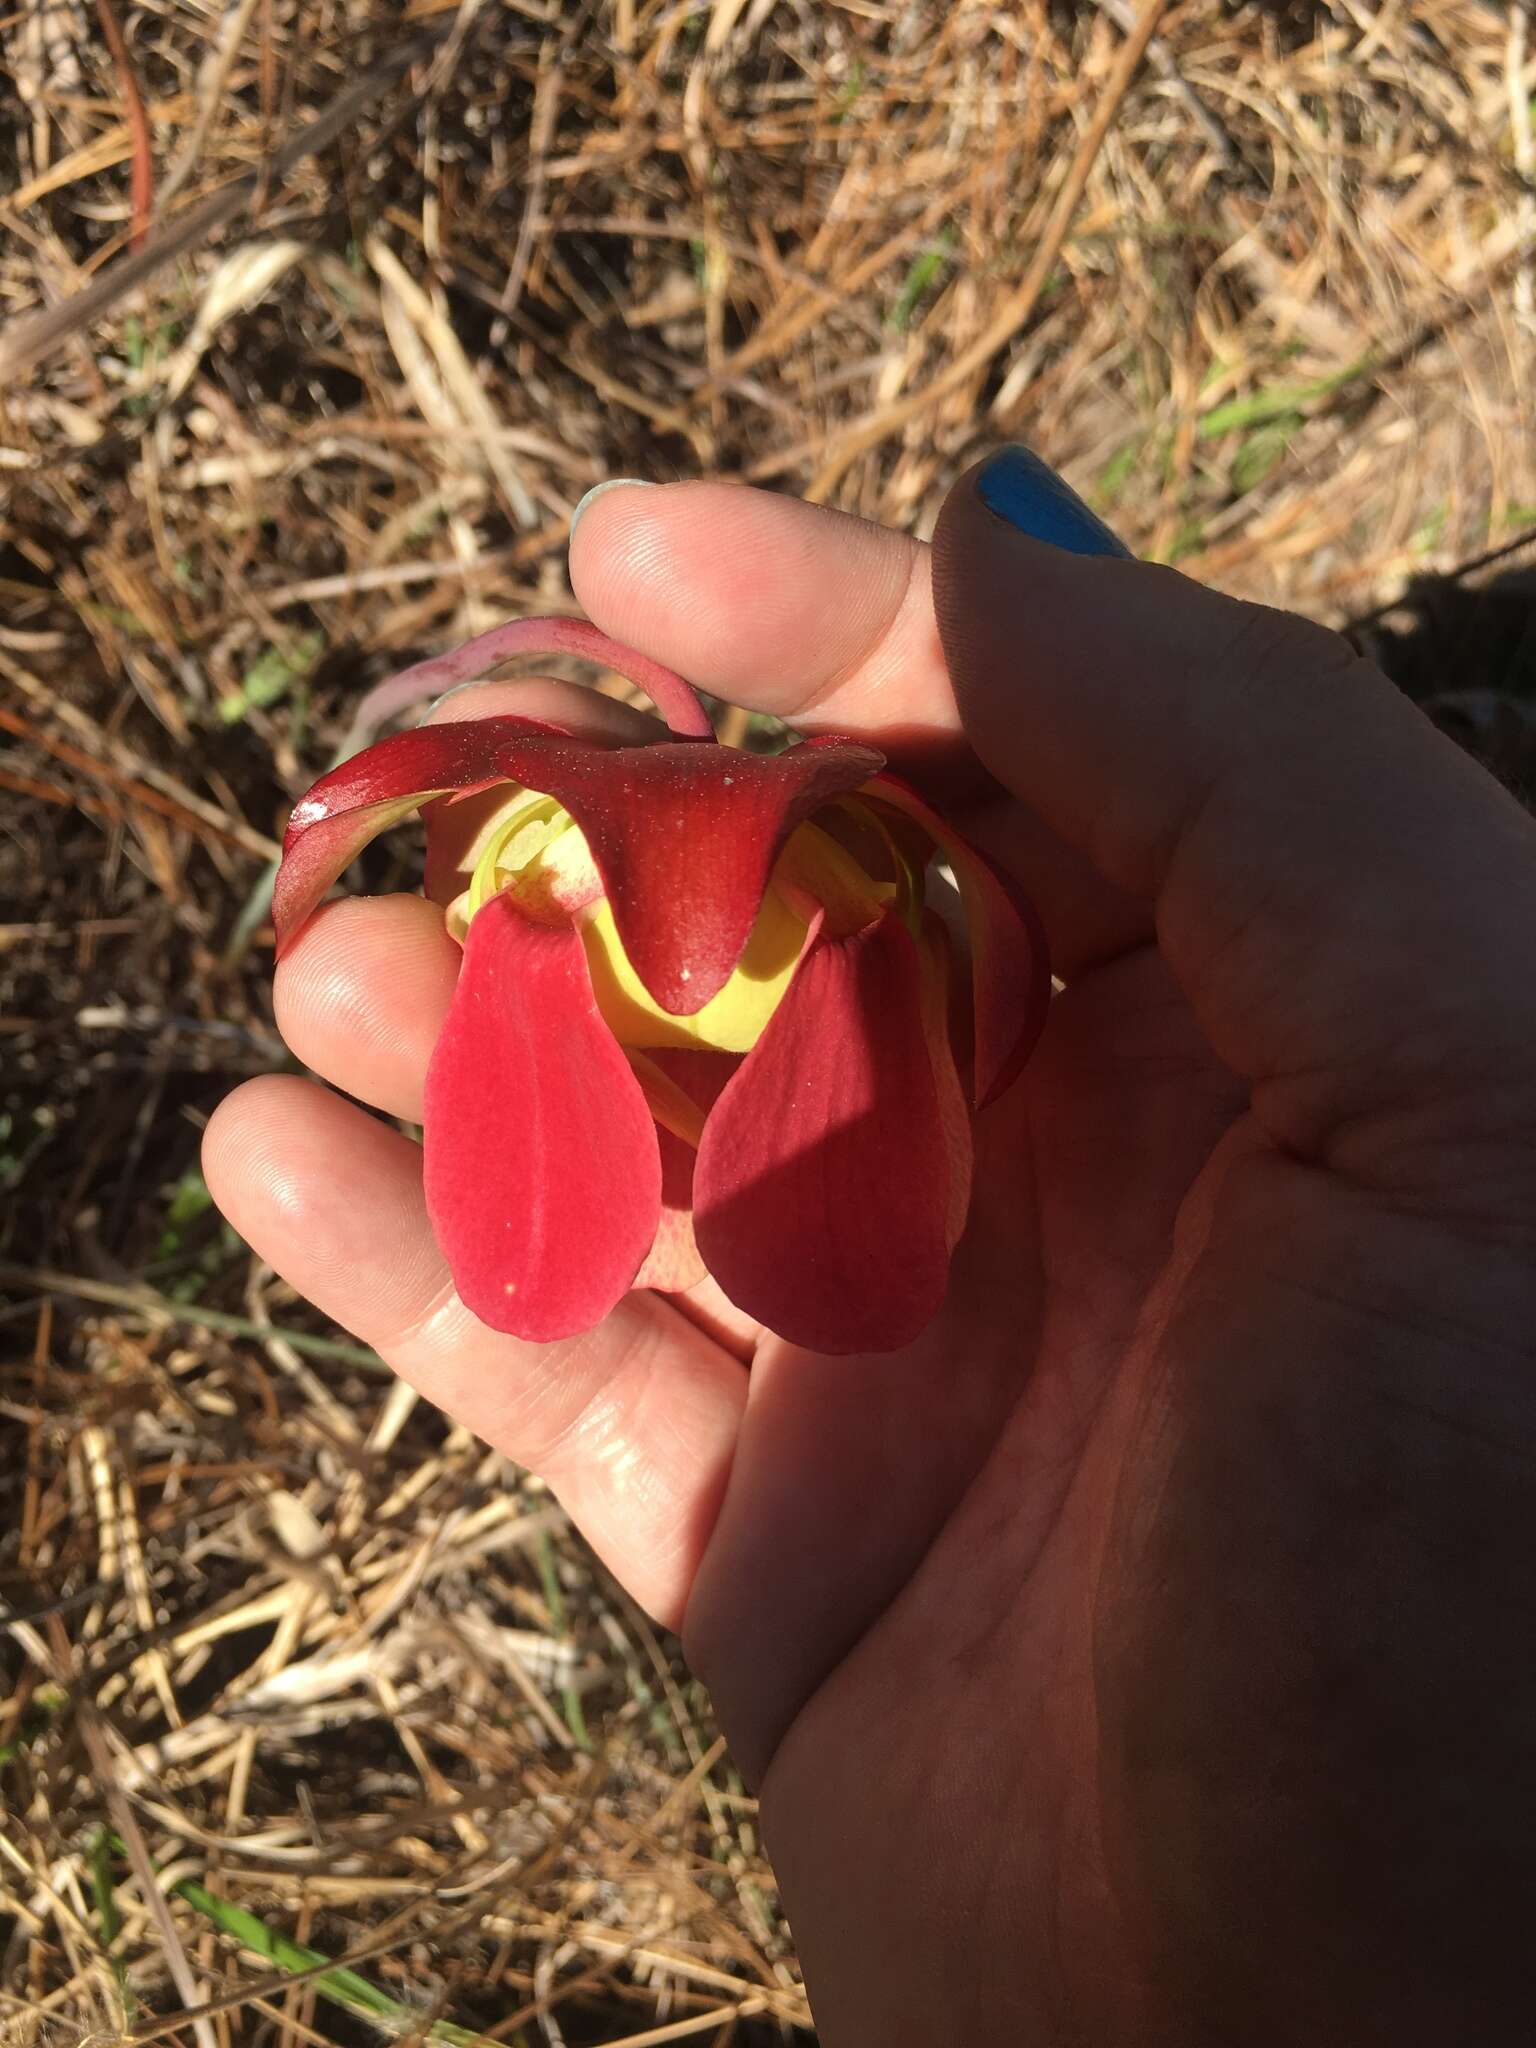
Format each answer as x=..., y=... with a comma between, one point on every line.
x=108, y=1919
x=340, y=1985
x=925, y=268
x=1260, y=407
x=554, y=1600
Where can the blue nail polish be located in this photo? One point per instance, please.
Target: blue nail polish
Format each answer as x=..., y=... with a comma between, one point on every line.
x=1028, y=493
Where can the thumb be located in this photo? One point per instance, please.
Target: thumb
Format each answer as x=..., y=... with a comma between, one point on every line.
x=1346, y=899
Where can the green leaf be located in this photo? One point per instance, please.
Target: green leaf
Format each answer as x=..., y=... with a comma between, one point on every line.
x=1262, y=451
x=108, y=1917
x=1189, y=540
x=1431, y=533
x=271, y=676
x=1278, y=402
x=554, y=1600
x=1116, y=472
x=42, y=1711
x=189, y=1200
x=925, y=268
x=848, y=92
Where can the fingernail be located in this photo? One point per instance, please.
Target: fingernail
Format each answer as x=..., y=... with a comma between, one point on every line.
x=1028, y=493
x=613, y=483
x=474, y=683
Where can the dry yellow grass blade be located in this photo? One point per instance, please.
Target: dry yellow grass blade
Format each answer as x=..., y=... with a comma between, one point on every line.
x=464, y=403
x=212, y=77
x=240, y=280
x=888, y=419
x=100, y=154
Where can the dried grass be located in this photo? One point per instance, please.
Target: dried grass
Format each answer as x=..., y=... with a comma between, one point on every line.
x=274, y=1640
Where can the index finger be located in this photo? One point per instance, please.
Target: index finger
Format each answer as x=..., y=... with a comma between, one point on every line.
x=771, y=603
x=827, y=621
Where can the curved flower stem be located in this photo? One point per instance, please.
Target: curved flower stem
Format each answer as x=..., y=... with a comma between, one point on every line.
x=676, y=700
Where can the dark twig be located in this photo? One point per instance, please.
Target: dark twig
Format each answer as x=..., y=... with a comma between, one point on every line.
x=27, y=340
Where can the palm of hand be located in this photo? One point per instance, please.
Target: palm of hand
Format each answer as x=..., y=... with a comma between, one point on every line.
x=924, y=1535
x=1134, y=1532
x=1059, y=1634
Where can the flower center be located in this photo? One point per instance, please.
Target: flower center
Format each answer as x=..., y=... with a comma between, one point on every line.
x=516, y=846
x=538, y=852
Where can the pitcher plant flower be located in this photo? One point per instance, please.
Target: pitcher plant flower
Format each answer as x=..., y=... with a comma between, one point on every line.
x=703, y=1019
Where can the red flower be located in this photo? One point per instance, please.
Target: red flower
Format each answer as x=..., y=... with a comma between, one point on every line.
x=703, y=1017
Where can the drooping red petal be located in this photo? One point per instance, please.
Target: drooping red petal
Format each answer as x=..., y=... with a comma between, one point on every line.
x=1010, y=965
x=344, y=810
x=543, y=1176
x=821, y=1186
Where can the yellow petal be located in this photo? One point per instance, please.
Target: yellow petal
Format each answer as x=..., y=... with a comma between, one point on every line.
x=732, y=1021
x=816, y=873
x=521, y=836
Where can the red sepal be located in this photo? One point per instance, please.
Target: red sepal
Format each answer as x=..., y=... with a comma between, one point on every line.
x=1010, y=963
x=344, y=810
x=685, y=838
x=822, y=1182
x=543, y=1177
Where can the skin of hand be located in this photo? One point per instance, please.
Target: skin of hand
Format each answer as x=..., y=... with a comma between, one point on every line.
x=1149, y=1654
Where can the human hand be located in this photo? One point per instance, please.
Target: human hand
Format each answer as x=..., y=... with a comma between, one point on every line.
x=1144, y=1655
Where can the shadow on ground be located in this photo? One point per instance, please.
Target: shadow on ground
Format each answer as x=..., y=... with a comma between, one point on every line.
x=1467, y=654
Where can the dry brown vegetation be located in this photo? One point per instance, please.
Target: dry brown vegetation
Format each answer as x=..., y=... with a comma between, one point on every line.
x=285, y=1657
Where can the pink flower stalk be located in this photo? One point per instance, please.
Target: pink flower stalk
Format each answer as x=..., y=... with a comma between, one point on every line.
x=703, y=1020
